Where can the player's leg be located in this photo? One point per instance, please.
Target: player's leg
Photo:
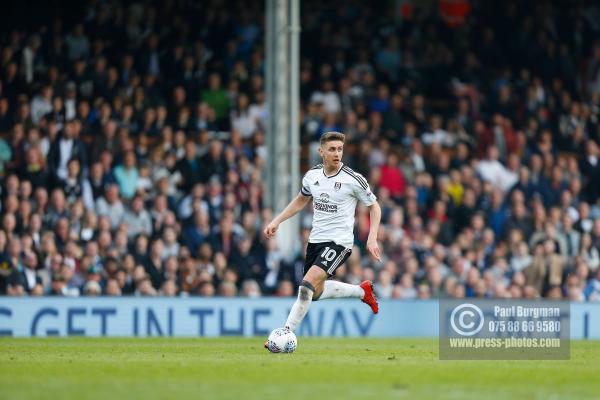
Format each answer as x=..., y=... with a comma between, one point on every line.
x=313, y=278
x=330, y=259
x=338, y=290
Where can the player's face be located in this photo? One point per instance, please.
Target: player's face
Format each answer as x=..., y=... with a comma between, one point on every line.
x=332, y=152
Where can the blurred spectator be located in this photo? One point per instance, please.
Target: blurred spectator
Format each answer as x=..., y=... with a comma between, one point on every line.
x=216, y=97
x=66, y=147
x=137, y=219
x=127, y=175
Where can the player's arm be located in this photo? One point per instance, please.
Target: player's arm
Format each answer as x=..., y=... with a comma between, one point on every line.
x=292, y=209
x=375, y=215
x=364, y=194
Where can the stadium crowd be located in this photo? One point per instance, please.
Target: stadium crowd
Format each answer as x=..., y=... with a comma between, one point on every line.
x=132, y=153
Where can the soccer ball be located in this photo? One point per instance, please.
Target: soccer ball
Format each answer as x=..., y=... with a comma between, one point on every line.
x=282, y=340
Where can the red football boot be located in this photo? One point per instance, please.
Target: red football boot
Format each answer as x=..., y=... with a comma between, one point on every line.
x=369, y=297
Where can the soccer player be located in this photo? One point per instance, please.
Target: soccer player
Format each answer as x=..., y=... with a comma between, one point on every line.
x=335, y=190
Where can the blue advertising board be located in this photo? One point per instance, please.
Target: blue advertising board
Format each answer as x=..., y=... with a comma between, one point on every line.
x=196, y=316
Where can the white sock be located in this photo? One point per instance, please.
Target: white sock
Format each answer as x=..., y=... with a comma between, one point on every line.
x=337, y=290
x=300, y=307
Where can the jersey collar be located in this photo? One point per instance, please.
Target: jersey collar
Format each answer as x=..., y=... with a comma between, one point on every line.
x=339, y=170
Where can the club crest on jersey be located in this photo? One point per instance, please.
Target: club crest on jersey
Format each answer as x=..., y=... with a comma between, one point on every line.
x=337, y=186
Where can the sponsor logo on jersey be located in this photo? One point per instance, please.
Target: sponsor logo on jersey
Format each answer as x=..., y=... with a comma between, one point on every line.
x=321, y=204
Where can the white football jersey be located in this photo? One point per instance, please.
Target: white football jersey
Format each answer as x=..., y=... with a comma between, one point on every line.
x=334, y=203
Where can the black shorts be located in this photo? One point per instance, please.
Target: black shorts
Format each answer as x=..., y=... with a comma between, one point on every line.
x=327, y=256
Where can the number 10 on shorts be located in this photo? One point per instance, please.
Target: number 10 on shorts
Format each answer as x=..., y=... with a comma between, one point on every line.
x=328, y=254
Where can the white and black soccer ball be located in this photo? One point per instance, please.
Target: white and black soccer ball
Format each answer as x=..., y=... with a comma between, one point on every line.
x=282, y=340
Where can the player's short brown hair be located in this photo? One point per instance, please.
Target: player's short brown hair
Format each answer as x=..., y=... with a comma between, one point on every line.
x=331, y=136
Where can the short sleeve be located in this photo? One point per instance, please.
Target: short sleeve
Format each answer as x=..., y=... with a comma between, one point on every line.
x=363, y=192
x=305, y=190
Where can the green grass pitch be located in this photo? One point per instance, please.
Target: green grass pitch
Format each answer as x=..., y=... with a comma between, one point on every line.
x=239, y=368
